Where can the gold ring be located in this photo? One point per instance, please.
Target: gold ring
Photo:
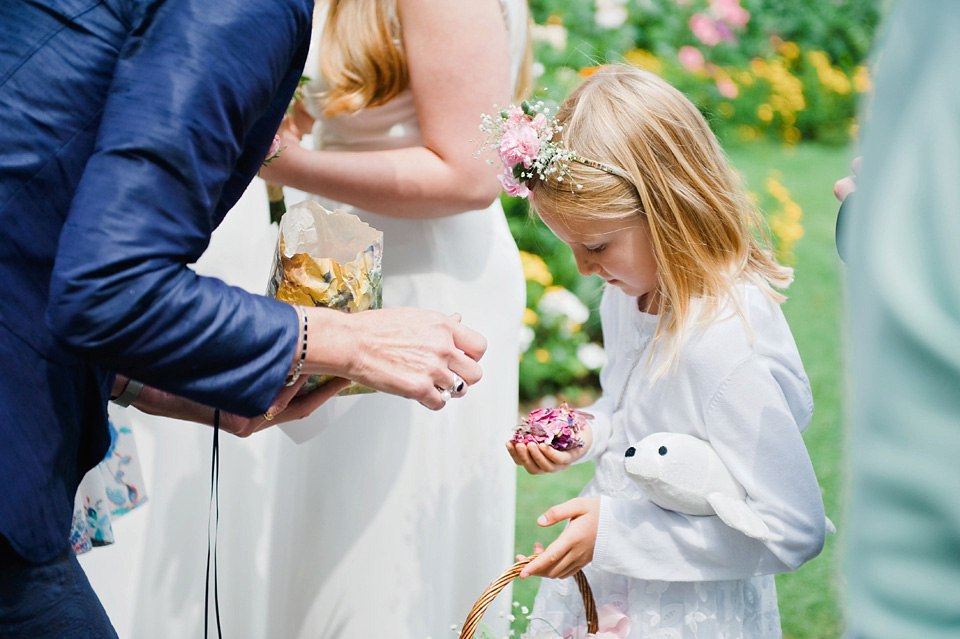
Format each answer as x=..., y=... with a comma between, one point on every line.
x=268, y=416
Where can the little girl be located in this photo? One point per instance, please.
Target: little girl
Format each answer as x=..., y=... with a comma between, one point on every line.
x=631, y=178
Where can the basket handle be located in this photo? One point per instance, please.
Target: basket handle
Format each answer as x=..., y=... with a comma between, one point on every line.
x=476, y=613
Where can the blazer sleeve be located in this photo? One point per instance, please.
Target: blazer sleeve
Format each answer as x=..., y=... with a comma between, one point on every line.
x=197, y=94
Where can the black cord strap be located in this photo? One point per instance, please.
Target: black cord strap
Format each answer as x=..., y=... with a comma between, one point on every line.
x=215, y=500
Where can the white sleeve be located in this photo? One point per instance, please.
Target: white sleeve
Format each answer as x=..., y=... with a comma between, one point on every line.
x=600, y=425
x=749, y=423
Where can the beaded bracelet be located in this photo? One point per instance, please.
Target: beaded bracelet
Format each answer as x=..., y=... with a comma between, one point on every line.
x=295, y=373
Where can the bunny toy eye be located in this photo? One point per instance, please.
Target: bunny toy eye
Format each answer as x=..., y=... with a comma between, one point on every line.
x=662, y=450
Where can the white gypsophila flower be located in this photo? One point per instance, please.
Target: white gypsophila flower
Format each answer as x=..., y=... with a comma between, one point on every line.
x=592, y=356
x=561, y=302
x=610, y=14
x=526, y=338
x=553, y=34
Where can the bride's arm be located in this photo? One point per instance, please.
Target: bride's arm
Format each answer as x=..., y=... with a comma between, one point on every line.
x=459, y=65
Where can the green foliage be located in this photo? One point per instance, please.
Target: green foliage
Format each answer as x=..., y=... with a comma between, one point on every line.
x=760, y=80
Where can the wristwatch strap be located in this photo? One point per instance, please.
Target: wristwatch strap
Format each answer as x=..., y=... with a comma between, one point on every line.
x=129, y=393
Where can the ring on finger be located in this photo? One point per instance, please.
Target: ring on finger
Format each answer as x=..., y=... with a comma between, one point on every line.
x=268, y=416
x=459, y=387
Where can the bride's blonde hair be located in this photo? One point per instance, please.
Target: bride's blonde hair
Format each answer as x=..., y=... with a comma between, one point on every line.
x=707, y=233
x=362, y=59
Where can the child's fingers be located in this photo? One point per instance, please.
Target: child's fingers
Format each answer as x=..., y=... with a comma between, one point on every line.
x=523, y=459
x=537, y=454
x=568, y=509
x=550, y=562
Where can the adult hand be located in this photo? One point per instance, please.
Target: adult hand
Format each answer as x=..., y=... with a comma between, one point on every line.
x=573, y=549
x=845, y=186
x=409, y=352
x=544, y=458
x=286, y=407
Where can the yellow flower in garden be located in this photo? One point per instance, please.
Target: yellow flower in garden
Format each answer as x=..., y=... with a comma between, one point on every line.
x=725, y=109
x=535, y=269
x=777, y=190
x=644, y=59
x=542, y=355
x=789, y=50
x=748, y=133
x=792, y=135
x=785, y=223
x=765, y=112
x=861, y=79
x=530, y=317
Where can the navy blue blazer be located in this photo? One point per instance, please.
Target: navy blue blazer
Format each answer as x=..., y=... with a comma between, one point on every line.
x=128, y=128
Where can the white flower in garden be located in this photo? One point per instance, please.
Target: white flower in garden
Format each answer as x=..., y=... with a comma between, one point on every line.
x=592, y=356
x=560, y=302
x=526, y=338
x=553, y=34
x=611, y=14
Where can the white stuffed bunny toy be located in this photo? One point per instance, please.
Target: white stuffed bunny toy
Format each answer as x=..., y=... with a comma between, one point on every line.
x=683, y=473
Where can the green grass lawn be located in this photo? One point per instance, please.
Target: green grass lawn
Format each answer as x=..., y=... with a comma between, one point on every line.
x=810, y=604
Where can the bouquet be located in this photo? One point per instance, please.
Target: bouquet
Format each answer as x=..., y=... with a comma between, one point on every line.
x=327, y=258
x=558, y=427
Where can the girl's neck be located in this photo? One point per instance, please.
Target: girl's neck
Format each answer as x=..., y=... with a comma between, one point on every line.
x=649, y=303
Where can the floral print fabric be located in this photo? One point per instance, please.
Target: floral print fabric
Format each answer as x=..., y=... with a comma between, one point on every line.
x=108, y=490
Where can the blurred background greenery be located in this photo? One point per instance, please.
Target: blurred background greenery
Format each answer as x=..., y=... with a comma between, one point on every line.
x=780, y=83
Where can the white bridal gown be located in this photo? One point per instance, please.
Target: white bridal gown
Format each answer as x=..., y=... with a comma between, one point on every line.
x=372, y=517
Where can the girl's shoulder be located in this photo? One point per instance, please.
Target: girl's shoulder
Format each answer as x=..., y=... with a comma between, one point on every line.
x=748, y=325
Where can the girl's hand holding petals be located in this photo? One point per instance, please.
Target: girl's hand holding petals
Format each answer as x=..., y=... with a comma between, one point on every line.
x=538, y=459
x=542, y=458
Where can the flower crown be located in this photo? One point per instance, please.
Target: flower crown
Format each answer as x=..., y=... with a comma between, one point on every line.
x=524, y=138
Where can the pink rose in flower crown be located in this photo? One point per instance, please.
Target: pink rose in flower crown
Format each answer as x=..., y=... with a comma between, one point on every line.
x=511, y=186
x=519, y=144
x=559, y=427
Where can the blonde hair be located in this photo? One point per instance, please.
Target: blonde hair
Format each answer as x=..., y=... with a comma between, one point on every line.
x=362, y=59
x=707, y=233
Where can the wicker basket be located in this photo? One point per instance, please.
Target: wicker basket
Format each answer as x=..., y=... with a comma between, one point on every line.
x=476, y=613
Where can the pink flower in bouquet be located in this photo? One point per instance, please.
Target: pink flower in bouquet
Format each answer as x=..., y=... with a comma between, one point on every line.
x=511, y=186
x=558, y=427
x=274, y=152
x=691, y=58
x=519, y=144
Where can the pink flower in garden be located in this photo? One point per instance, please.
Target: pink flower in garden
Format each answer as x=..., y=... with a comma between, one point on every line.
x=705, y=29
x=730, y=12
x=727, y=87
x=511, y=186
x=691, y=58
x=519, y=144
x=559, y=427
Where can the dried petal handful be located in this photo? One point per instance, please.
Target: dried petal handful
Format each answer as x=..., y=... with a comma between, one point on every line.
x=559, y=427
